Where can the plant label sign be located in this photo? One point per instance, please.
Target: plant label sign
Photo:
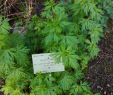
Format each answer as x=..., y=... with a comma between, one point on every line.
x=45, y=63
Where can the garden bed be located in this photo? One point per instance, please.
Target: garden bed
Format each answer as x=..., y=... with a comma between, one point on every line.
x=100, y=71
x=69, y=29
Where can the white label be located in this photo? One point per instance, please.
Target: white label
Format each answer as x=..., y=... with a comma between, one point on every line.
x=44, y=63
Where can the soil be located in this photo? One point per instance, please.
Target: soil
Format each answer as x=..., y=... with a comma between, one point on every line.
x=100, y=70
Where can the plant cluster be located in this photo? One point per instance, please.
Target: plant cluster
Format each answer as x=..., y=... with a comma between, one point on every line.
x=71, y=30
x=13, y=60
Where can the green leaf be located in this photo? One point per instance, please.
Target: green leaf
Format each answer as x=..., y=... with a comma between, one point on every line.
x=66, y=82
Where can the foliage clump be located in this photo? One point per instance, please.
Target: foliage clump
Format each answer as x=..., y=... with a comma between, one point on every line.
x=71, y=30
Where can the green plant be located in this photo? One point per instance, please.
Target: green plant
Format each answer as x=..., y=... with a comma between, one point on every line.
x=13, y=60
x=71, y=30
x=73, y=37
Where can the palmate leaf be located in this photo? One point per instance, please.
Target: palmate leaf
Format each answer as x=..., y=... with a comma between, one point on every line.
x=84, y=60
x=34, y=35
x=5, y=70
x=80, y=89
x=87, y=24
x=7, y=56
x=19, y=81
x=2, y=40
x=56, y=25
x=65, y=23
x=77, y=10
x=76, y=90
x=49, y=5
x=66, y=82
x=71, y=41
x=87, y=6
x=17, y=54
x=54, y=10
x=59, y=11
x=107, y=6
x=39, y=90
x=96, y=14
x=21, y=55
x=68, y=57
x=44, y=85
x=9, y=90
x=37, y=81
x=4, y=25
x=52, y=38
x=54, y=90
x=53, y=26
x=43, y=90
x=17, y=92
x=18, y=77
x=85, y=87
x=78, y=75
x=18, y=73
x=93, y=49
x=13, y=40
x=96, y=34
x=49, y=79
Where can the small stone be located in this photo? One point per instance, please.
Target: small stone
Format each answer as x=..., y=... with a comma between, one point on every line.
x=108, y=85
x=98, y=86
x=101, y=88
x=104, y=92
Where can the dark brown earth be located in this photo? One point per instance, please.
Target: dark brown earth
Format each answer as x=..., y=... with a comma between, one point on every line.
x=100, y=70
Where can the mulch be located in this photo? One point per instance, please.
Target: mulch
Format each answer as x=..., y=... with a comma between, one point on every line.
x=100, y=70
